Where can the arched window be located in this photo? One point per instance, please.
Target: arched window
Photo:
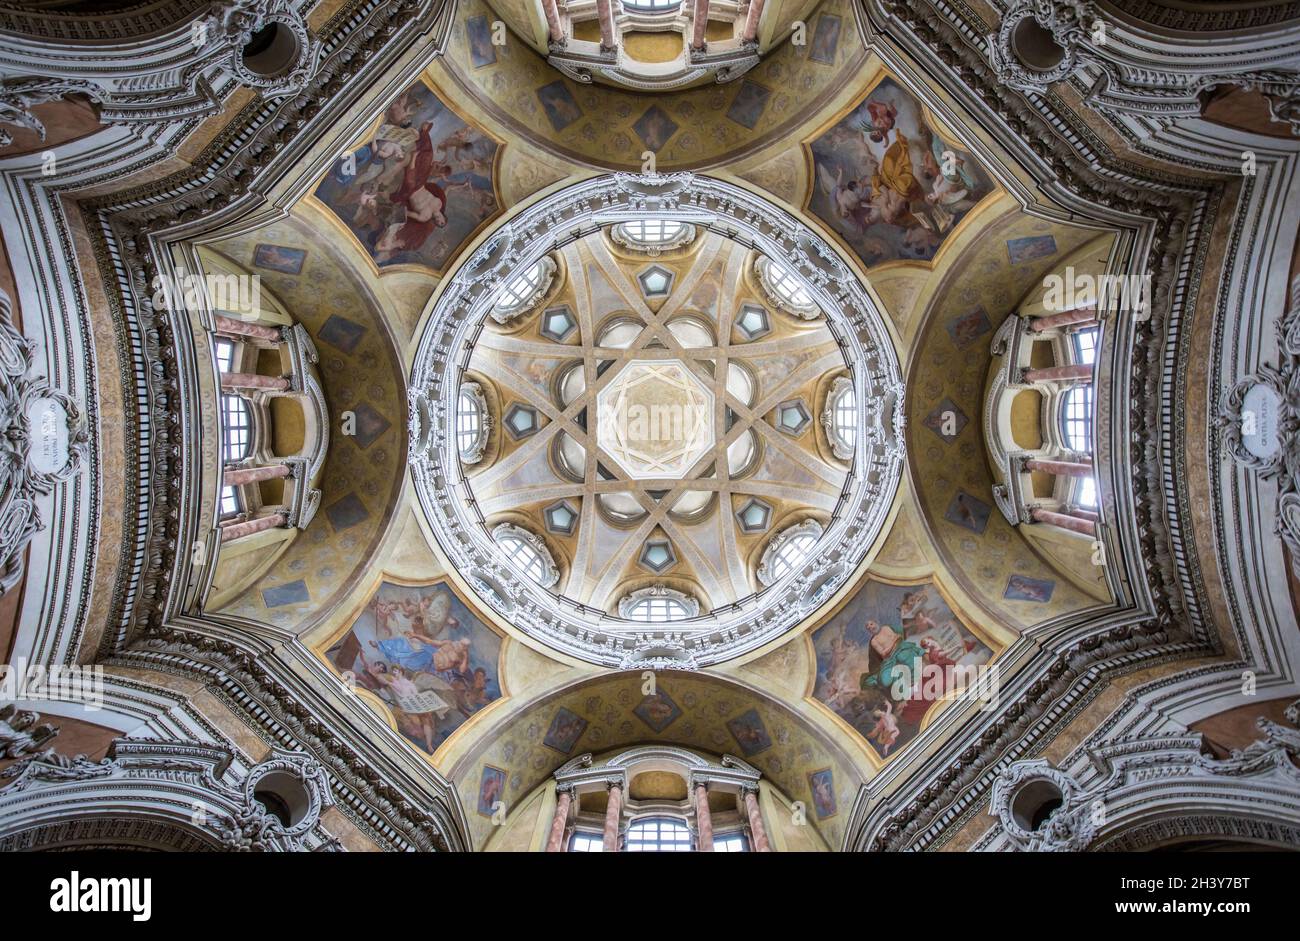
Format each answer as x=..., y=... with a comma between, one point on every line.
x=527, y=554
x=524, y=291
x=657, y=610
x=840, y=418
x=472, y=423
x=1076, y=418
x=236, y=428
x=658, y=835
x=791, y=553
x=785, y=288
x=468, y=422
x=657, y=604
x=653, y=235
x=1085, y=493
x=657, y=6
x=788, y=550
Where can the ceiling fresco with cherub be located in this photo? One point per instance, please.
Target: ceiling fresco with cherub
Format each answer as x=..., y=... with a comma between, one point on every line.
x=426, y=655
x=422, y=183
x=889, y=181
x=889, y=655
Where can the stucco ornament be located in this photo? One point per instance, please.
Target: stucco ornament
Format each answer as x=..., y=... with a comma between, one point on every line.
x=19, y=94
x=43, y=443
x=1259, y=421
x=1066, y=22
x=236, y=23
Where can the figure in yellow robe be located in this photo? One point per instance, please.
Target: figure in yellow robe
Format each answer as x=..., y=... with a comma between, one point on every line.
x=895, y=184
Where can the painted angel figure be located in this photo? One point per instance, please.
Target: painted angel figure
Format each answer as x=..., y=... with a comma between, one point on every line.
x=852, y=200
x=885, y=732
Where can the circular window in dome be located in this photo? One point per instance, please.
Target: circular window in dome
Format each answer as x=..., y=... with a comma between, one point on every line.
x=664, y=433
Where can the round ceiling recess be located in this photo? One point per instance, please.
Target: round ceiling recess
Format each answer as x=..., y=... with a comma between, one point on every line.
x=686, y=416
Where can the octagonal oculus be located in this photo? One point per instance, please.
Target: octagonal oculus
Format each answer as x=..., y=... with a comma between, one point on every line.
x=655, y=418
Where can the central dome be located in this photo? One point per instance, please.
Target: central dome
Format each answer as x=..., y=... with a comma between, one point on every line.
x=656, y=420
x=635, y=438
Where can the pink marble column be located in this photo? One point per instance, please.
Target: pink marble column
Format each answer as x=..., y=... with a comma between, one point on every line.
x=757, y=832
x=563, y=800
x=1067, y=318
x=613, y=814
x=553, y=24
x=703, y=819
x=701, y=20
x=230, y=327
x=1074, y=524
x=752, y=17
x=1084, y=514
x=236, y=476
x=605, y=13
x=231, y=531
x=247, y=380
x=1059, y=468
x=1078, y=372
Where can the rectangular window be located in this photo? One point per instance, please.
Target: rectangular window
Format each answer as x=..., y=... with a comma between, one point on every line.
x=730, y=843
x=587, y=843
x=225, y=355
x=1085, y=346
x=230, y=502
x=658, y=835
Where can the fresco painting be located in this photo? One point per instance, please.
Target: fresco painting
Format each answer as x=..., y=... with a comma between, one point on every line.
x=491, y=786
x=1030, y=248
x=565, y=730
x=888, y=655
x=559, y=104
x=970, y=512
x=822, y=786
x=425, y=654
x=750, y=733
x=889, y=184
x=279, y=258
x=657, y=710
x=419, y=188
x=1024, y=588
x=826, y=37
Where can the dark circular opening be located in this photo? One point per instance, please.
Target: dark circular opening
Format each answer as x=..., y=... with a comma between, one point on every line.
x=275, y=806
x=1035, y=46
x=1034, y=803
x=271, y=50
x=1043, y=812
x=284, y=797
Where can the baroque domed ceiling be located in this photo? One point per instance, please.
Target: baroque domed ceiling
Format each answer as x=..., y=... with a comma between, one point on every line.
x=664, y=408
x=832, y=420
